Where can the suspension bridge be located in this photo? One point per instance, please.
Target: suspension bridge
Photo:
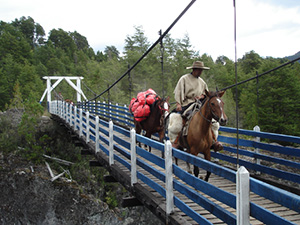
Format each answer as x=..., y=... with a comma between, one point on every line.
x=177, y=197
x=261, y=186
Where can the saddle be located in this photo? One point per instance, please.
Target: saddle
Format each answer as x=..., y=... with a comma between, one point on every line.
x=188, y=114
x=179, y=124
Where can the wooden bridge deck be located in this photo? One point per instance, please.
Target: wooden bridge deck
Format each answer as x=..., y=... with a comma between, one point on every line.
x=156, y=203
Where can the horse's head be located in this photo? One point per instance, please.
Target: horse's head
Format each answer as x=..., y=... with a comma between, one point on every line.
x=216, y=106
x=164, y=106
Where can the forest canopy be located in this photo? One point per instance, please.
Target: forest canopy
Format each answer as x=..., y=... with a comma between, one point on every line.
x=27, y=55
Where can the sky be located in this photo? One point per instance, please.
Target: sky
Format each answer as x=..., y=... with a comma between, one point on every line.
x=268, y=27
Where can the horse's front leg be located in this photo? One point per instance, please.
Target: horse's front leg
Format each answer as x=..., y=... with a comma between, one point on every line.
x=196, y=169
x=161, y=135
x=148, y=135
x=188, y=168
x=208, y=158
x=138, y=130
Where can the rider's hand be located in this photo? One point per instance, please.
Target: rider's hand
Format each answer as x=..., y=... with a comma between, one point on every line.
x=199, y=97
x=178, y=107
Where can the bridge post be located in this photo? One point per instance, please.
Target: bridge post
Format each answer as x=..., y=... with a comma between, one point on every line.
x=256, y=150
x=126, y=114
x=56, y=108
x=94, y=107
x=87, y=127
x=97, y=134
x=111, y=142
x=169, y=178
x=75, y=117
x=109, y=106
x=116, y=107
x=61, y=109
x=242, y=196
x=104, y=108
x=97, y=110
x=70, y=115
x=133, y=156
x=65, y=111
x=80, y=123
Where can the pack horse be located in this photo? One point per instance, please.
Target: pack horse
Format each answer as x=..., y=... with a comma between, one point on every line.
x=149, y=111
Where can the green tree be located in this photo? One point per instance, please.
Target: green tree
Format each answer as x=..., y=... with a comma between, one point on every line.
x=250, y=62
x=80, y=41
x=111, y=52
x=279, y=94
x=13, y=42
x=33, y=32
x=100, y=57
x=16, y=102
x=62, y=40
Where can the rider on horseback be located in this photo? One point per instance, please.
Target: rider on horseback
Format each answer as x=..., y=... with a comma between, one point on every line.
x=190, y=88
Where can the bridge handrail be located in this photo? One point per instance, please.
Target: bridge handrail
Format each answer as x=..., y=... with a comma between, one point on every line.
x=247, y=143
x=272, y=136
x=230, y=140
x=290, y=200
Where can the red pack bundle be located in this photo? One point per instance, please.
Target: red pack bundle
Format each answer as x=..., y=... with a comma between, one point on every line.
x=142, y=112
x=141, y=97
x=140, y=106
x=133, y=105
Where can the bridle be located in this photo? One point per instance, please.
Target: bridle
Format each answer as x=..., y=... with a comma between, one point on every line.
x=214, y=116
x=162, y=109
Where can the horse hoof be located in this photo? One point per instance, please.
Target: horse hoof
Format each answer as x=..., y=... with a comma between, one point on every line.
x=201, y=177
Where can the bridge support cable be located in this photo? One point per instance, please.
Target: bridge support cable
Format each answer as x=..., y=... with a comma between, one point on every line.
x=262, y=74
x=236, y=90
x=162, y=49
x=147, y=52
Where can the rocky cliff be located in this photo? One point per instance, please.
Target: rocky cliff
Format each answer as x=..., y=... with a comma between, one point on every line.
x=28, y=196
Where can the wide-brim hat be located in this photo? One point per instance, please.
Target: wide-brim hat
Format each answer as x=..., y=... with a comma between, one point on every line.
x=198, y=65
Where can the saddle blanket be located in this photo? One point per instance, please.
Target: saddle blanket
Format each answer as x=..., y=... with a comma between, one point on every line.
x=140, y=106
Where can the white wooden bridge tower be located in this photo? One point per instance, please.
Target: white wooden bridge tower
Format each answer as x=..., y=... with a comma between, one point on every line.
x=58, y=79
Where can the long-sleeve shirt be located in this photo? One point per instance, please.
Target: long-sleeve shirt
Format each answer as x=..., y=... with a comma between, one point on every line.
x=188, y=87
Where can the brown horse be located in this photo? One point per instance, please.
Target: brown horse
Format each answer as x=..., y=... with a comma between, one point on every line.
x=199, y=137
x=154, y=123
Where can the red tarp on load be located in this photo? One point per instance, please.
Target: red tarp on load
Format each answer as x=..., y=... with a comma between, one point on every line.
x=138, y=106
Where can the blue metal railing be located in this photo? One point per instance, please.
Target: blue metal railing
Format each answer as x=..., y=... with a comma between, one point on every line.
x=120, y=114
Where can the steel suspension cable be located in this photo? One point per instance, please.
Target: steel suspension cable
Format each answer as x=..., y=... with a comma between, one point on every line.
x=236, y=91
x=262, y=74
x=147, y=52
